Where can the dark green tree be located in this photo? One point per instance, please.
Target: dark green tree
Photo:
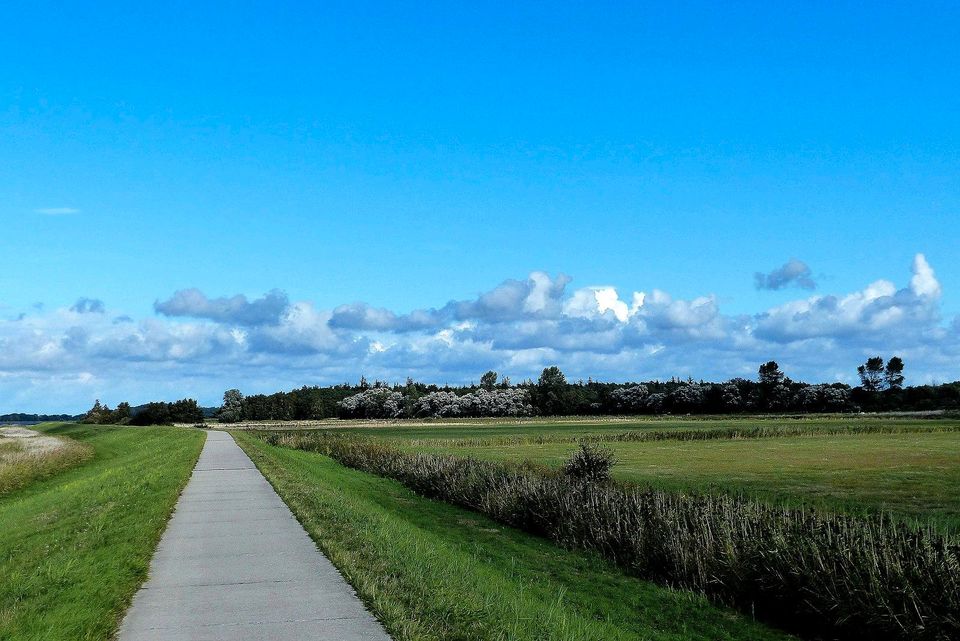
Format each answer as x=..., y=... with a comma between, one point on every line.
x=489, y=380
x=552, y=395
x=186, y=411
x=95, y=414
x=232, y=409
x=893, y=373
x=153, y=414
x=121, y=415
x=871, y=374
x=770, y=374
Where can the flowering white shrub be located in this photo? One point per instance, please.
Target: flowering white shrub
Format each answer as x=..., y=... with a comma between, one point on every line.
x=438, y=404
x=818, y=398
x=687, y=397
x=630, y=399
x=730, y=396
x=378, y=402
x=655, y=402
x=497, y=402
x=835, y=399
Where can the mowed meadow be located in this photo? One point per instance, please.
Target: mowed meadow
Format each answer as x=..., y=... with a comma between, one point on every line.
x=825, y=526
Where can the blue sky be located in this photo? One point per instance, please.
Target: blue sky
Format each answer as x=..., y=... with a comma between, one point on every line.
x=405, y=155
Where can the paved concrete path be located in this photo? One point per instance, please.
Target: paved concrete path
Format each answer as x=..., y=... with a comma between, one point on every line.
x=235, y=564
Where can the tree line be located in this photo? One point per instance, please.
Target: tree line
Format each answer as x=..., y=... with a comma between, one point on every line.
x=20, y=417
x=552, y=394
x=158, y=413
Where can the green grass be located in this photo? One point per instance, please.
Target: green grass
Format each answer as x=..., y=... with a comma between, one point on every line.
x=431, y=571
x=75, y=547
x=916, y=475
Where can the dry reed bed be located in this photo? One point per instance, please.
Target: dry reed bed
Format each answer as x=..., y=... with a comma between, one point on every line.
x=822, y=575
x=26, y=457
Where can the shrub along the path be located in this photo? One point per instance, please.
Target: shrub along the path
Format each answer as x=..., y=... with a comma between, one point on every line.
x=819, y=574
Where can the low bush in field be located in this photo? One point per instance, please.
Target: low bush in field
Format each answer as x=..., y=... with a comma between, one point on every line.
x=591, y=463
x=823, y=575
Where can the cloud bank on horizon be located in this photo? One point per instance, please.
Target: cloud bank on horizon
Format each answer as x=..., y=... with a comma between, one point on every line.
x=59, y=360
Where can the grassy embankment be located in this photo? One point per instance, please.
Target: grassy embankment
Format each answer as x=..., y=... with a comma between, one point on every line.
x=75, y=546
x=432, y=571
x=907, y=467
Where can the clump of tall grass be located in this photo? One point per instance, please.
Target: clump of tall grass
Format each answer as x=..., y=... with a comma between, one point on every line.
x=20, y=464
x=820, y=574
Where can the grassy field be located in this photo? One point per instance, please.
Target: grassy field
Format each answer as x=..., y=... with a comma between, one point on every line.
x=75, y=546
x=432, y=571
x=913, y=474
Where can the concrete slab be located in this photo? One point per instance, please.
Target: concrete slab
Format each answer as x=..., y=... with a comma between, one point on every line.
x=248, y=605
x=253, y=543
x=234, y=564
x=309, y=630
x=231, y=513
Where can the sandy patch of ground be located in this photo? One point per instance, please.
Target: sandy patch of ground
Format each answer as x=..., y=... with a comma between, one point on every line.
x=27, y=455
x=26, y=441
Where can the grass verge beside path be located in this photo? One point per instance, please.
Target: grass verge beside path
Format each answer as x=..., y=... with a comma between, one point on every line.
x=431, y=571
x=75, y=547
